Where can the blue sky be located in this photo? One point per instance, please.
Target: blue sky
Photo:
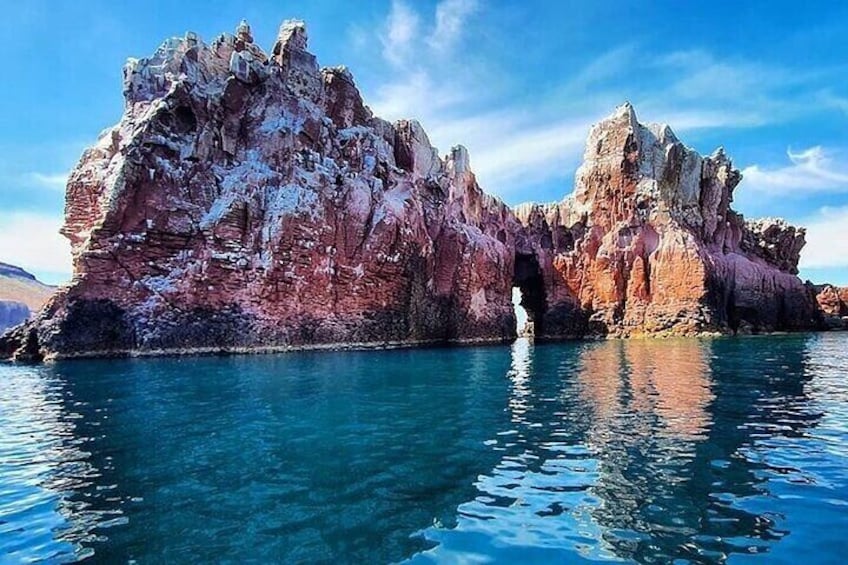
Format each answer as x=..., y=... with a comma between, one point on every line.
x=518, y=83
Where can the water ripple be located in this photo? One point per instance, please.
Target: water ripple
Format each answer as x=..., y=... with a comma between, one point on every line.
x=700, y=451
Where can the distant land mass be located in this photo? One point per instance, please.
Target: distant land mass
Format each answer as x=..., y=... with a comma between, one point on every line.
x=21, y=295
x=251, y=201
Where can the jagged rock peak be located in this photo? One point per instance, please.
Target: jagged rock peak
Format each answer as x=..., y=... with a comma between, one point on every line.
x=657, y=173
x=292, y=36
x=458, y=161
x=340, y=71
x=648, y=242
x=648, y=132
x=626, y=111
x=259, y=204
x=243, y=32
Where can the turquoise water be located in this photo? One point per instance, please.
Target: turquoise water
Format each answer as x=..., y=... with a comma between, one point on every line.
x=705, y=451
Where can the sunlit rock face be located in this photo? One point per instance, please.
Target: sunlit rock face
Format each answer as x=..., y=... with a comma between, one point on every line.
x=648, y=244
x=250, y=200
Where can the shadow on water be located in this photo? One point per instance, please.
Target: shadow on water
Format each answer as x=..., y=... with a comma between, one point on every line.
x=647, y=451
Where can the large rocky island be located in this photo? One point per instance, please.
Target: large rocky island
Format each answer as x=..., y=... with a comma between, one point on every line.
x=251, y=201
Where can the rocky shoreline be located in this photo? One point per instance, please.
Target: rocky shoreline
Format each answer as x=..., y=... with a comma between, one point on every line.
x=255, y=350
x=250, y=201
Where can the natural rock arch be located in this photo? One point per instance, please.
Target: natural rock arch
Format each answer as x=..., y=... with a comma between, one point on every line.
x=529, y=279
x=254, y=202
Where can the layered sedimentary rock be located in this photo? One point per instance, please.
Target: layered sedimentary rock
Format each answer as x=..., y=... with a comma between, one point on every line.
x=648, y=244
x=250, y=200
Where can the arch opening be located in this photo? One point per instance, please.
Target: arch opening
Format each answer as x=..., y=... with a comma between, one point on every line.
x=528, y=295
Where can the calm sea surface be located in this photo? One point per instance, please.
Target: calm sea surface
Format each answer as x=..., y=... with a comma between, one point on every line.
x=704, y=451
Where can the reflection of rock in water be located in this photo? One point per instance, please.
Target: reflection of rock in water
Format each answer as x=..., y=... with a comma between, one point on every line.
x=666, y=385
x=386, y=442
x=650, y=451
x=650, y=401
x=672, y=423
x=637, y=450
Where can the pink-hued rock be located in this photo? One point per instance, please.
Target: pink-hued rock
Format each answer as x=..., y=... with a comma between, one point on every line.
x=251, y=201
x=648, y=244
x=833, y=303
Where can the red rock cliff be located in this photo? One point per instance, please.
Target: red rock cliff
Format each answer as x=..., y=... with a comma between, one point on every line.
x=648, y=244
x=250, y=199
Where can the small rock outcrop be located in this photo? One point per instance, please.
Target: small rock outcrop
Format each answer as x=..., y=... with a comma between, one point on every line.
x=833, y=303
x=648, y=244
x=252, y=201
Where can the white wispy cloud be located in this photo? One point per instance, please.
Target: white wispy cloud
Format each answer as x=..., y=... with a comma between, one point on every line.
x=470, y=98
x=32, y=241
x=699, y=72
x=527, y=153
x=827, y=239
x=831, y=100
x=811, y=170
x=416, y=95
x=506, y=144
x=451, y=16
x=56, y=181
x=606, y=66
x=400, y=32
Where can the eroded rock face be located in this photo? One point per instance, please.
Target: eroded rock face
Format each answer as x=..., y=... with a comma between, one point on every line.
x=251, y=200
x=648, y=244
x=833, y=303
x=248, y=200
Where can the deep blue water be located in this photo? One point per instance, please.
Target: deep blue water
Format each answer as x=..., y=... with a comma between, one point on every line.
x=706, y=451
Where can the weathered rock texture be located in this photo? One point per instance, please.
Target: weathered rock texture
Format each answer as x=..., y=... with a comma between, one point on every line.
x=251, y=200
x=648, y=244
x=21, y=294
x=833, y=303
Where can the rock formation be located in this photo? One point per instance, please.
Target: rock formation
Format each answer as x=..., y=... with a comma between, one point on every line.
x=833, y=303
x=21, y=295
x=648, y=244
x=250, y=200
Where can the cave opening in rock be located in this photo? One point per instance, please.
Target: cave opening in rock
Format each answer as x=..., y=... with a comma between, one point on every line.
x=528, y=295
x=521, y=316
